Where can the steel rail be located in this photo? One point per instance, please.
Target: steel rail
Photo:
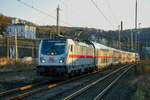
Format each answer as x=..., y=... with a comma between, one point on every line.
x=101, y=94
x=92, y=84
x=22, y=88
x=50, y=86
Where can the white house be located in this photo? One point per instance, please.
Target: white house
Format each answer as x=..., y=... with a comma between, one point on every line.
x=23, y=30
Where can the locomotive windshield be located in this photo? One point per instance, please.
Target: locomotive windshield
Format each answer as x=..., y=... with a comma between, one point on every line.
x=53, y=47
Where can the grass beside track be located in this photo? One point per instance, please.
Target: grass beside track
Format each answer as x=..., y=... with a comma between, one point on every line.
x=15, y=66
x=143, y=88
x=146, y=65
x=143, y=82
x=16, y=74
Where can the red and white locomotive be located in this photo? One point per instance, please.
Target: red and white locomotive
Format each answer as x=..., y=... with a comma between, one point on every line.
x=58, y=57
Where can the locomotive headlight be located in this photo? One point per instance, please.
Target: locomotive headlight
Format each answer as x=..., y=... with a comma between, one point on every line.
x=61, y=60
x=42, y=60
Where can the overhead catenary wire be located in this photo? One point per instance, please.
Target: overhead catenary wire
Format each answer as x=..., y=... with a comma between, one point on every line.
x=41, y=11
x=53, y=17
x=101, y=12
x=65, y=10
x=111, y=11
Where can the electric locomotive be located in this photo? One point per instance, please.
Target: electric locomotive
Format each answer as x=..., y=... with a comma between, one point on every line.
x=58, y=57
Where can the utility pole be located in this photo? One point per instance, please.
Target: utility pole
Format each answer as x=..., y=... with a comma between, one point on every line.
x=138, y=35
x=7, y=47
x=121, y=32
x=121, y=26
x=136, y=25
x=132, y=45
x=120, y=29
x=119, y=36
x=57, y=23
x=128, y=44
x=136, y=15
x=16, y=45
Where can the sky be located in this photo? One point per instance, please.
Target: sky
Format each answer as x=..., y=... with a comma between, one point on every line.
x=80, y=13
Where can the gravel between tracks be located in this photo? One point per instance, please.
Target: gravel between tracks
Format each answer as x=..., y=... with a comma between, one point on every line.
x=60, y=92
x=66, y=87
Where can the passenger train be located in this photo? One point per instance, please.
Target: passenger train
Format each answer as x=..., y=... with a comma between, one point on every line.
x=66, y=57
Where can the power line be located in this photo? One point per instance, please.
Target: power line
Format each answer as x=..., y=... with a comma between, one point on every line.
x=40, y=11
x=102, y=13
x=111, y=11
x=61, y=2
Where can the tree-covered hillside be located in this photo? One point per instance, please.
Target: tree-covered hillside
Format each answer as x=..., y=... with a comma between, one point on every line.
x=4, y=22
x=109, y=38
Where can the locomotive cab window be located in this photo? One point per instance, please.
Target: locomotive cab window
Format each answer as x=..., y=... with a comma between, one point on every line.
x=53, y=47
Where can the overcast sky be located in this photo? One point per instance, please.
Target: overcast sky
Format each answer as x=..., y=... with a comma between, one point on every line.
x=80, y=12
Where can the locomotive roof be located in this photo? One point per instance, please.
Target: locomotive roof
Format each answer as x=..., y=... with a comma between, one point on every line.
x=78, y=42
x=60, y=39
x=100, y=46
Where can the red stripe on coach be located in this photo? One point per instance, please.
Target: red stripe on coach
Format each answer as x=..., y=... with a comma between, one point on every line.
x=85, y=56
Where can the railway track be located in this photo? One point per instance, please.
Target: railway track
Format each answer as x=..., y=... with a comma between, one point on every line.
x=94, y=89
x=59, y=91
x=20, y=90
x=31, y=89
x=98, y=88
x=36, y=91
